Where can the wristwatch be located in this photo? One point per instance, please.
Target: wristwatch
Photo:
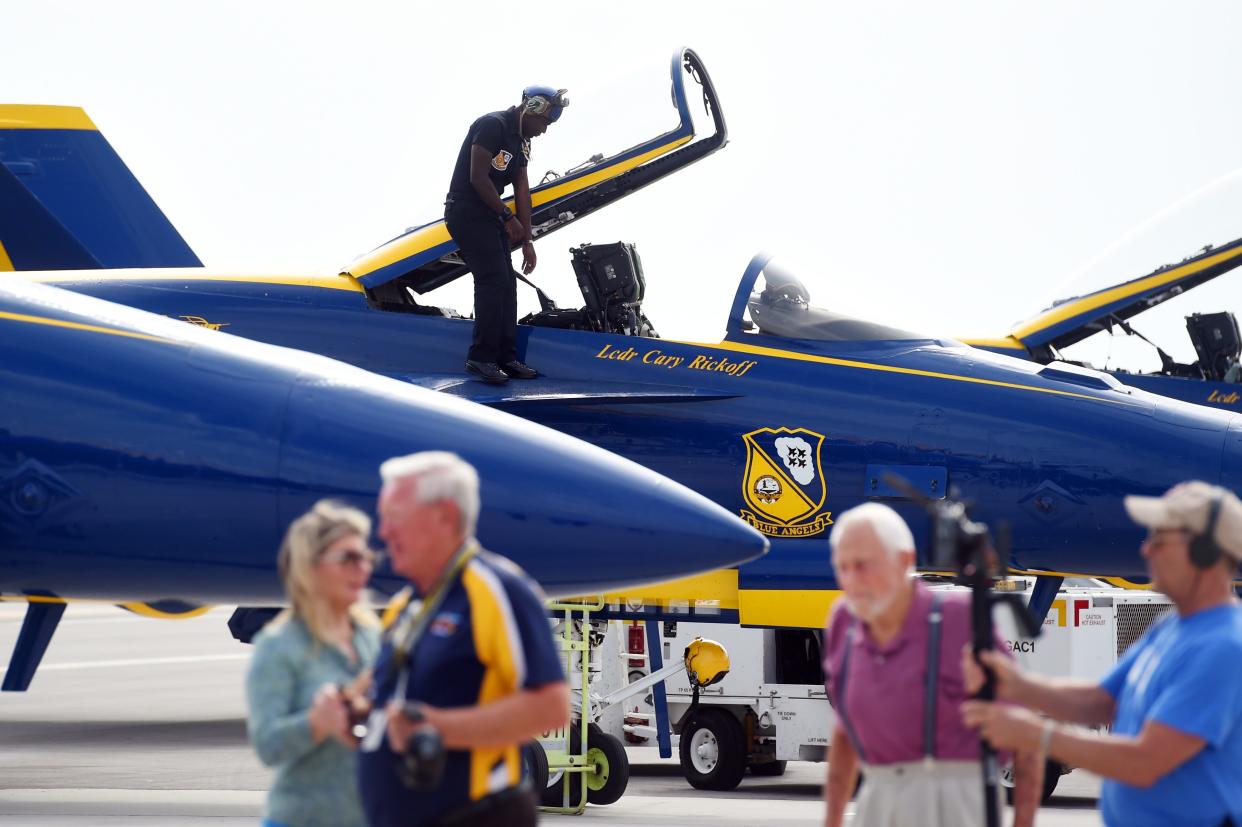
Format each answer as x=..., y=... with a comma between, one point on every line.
x=506, y=213
x=413, y=710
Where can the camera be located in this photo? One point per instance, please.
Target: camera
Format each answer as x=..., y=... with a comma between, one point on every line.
x=422, y=765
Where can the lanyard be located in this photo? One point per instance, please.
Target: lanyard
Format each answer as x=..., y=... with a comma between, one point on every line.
x=409, y=629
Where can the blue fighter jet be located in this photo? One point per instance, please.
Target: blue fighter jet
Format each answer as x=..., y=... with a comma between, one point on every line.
x=149, y=462
x=797, y=414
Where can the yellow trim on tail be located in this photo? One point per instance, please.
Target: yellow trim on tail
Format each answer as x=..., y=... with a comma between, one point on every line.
x=38, y=116
x=6, y=263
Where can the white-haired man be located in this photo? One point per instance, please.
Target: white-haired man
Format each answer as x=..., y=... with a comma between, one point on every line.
x=893, y=673
x=473, y=659
x=1174, y=700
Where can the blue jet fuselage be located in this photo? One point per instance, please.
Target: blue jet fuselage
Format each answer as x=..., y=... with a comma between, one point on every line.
x=1050, y=450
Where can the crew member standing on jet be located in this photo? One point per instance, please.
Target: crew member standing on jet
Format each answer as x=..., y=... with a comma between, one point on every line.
x=493, y=156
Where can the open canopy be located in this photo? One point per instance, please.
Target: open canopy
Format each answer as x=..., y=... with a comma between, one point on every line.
x=1182, y=247
x=425, y=257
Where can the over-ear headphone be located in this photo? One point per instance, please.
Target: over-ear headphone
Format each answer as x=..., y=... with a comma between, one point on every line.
x=1204, y=552
x=545, y=101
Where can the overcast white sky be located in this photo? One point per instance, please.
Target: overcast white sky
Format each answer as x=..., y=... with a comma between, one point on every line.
x=936, y=166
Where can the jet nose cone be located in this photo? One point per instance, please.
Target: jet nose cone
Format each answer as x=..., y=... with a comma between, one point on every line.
x=579, y=519
x=624, y=523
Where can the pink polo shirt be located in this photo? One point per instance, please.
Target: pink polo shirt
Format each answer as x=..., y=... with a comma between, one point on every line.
x=885, y=685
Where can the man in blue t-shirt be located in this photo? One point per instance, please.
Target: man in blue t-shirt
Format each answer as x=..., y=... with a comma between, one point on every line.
x=493, y=156
x=1174, y=701
x=469, y=659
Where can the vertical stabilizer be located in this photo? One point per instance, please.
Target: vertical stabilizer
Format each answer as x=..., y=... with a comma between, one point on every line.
x=67, y=200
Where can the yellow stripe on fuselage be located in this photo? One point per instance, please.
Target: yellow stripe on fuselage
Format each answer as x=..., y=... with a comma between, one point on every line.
x=718, y=588
x=6, y=263
x=141, y=609
x=794, y=608
x=801, y=609
x=757, y=350
x=328, y=281
x=38, y=116
x=146, y=610
x=90, y=328
x=1070, y=309
x=436, y=234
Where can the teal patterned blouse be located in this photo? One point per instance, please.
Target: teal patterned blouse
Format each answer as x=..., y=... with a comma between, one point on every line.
x=314, y=783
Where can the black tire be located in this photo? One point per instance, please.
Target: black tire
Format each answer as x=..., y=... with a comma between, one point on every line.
x=535, y=765
x=713, y=750
x=1053, y=770
x=768, y=769
x=612, y=767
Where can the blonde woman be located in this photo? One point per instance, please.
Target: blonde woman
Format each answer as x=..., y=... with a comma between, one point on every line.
x=299, y=722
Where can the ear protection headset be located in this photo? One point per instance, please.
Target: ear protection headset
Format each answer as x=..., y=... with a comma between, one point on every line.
x=1204, y=552
x=544, y=101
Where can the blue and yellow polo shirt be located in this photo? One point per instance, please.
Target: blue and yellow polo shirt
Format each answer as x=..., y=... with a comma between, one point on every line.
x=490, y=638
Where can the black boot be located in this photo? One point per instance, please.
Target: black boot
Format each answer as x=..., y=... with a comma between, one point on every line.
x=489, y=372
x=517, y=370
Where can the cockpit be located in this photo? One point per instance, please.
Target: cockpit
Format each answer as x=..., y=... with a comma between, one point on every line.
x=770, y=301
x=779, y=304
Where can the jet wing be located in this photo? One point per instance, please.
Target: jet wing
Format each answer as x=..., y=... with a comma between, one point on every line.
x=1075, y=319
x=425, y=257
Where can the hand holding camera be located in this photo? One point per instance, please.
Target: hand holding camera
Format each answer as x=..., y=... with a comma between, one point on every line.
x=412, y=735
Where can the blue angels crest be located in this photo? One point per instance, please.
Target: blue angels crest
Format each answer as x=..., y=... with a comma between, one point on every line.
x=784, y=481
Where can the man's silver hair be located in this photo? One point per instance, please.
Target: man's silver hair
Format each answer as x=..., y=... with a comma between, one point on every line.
x=887, y=524
x=440, y=475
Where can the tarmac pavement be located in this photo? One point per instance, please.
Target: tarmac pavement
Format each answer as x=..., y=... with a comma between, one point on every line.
x=142, y=722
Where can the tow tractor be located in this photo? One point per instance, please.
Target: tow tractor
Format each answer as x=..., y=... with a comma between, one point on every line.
x=772, y=707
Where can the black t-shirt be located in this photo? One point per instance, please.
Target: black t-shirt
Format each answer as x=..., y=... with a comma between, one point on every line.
x=497, y=132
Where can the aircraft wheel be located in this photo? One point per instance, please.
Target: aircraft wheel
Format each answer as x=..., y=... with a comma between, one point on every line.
x=612, y=767
x=713, y=751
x=535, y=765
x=768, y=769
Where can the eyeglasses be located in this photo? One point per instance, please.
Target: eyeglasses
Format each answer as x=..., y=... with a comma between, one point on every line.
x=352, y=558
x=1160, y=536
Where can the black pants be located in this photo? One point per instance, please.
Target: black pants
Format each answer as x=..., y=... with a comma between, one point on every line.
x=512, y=808
x=485, y=247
